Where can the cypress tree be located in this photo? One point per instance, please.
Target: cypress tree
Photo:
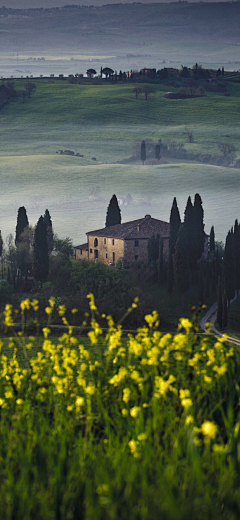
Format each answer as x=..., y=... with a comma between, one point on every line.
x=175, y=223
x=212, y=240
x=113, y=213
x=220, y=304
x=198, y=226
x=157, y=151
x=236, y=237
x=188, y=224
x=153, y=248
x=225, y=311
x=22, y=223
x=181, y=263
x=40, y=252
x=143, y=152
x=229, y=278
x=201, y=284
x=48, y=221
x=160, y=261
x=170, y=274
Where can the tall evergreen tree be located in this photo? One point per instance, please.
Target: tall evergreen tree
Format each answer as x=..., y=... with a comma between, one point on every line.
x=212, y=240
x=201, y=284
x=170, y=275
x=225, y=311
x=189, y=226
x=153, y=248
x=219, y=304
x=48, y=221
x=143, y=152
x=161, y=270
x=22, y=223
x=113, y=213
x=236, y=237
x=181, y=263
x=175, y=223
x=198, y=226
x=229, y=278
x=40, y=252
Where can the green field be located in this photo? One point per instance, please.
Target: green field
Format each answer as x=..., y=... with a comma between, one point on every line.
x=104, y=121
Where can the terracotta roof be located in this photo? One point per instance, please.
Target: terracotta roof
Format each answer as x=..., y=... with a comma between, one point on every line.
x=82, y=246
x=141, y=228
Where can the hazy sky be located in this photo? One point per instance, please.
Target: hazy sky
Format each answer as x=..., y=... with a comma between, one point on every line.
x=24, y=4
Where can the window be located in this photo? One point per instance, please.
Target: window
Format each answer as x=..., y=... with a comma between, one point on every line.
x=113, y=241
x=95, y=242
x=80, y=251
x=90, y=250
x=106, y=255
x=95, y=253
x=136, y=257
x=105, y=241
x=113, y=257
x=136, y=243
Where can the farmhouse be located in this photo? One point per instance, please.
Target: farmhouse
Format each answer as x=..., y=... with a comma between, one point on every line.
x=128, y=241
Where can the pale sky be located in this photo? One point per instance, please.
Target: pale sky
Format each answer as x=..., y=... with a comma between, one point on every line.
x=25, y=4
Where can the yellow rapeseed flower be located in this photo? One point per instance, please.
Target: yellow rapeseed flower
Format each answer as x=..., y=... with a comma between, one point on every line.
x=126, y=395
x=135, y=411
x=209, y=429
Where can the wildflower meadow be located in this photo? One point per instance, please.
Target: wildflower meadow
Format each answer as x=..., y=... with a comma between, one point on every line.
x=100, y=424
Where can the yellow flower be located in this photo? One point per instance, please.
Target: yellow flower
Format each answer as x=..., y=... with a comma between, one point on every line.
x=48, y=310
x=184, y=393
x=61, y=310
x=2, y=403
x=19, y=402
x=25, y=304
x=135, y=411
x=124, y=412
x=103, y=489
x=74, y=311
x=9, y=394
x=186, y=403
x=209, y=429
x=220, y=370
x=133, y=445
x=90, y=389
x=184, y=323
x=126, y=394
x=51, y=301
x=142, y=437
x=207, y=379
x=79, y=401
x=189, y=420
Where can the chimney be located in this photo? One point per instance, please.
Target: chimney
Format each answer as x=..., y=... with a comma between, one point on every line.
x=147, y=216
x=138, y=228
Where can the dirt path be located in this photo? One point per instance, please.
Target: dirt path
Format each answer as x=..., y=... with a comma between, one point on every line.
x=210, y=317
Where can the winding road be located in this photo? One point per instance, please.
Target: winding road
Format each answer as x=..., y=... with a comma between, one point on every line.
x=210, y=317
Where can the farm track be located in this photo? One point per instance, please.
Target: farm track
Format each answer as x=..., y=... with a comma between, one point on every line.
x=211, y=317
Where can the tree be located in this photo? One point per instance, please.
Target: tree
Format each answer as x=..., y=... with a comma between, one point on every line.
x=236, y=240
x=170, y=274
x=181, y=261
x=30, y=87
x=229, y=278
x=107, y=72
x=91, y=73
x=153, y=248
x=225, y=311
x=63, y=246
x=40, y=252
x=189, y=226
x=228, y=150
x=22, y=223
x=187, y=131
x=157, y=151
x=198, y=226
x=220, y=304
x=113, y=216
x=212, y=240
x=137, y=91
x=143, y=152
x=175, y=223
x=48, y=221
x=147, y=90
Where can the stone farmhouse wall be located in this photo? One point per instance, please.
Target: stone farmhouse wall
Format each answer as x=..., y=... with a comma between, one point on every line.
x=107, y=250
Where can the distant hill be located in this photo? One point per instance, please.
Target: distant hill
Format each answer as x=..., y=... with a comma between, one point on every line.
x=146, y=34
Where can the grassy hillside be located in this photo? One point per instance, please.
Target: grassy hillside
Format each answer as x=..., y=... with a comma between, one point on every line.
x=104, y=121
